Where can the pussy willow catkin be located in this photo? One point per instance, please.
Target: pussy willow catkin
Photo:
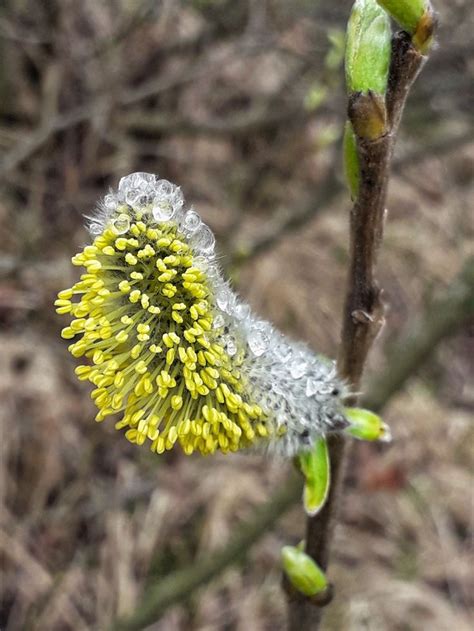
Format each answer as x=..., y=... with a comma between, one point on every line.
x=173, y=353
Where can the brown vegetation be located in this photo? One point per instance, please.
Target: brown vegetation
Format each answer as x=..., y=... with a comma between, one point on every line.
x=214, y=95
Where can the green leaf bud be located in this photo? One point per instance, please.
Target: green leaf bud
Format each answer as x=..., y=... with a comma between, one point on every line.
x=316, y=468
x=406, y=12
x=368, y=46
x=414, y=16
x=366, y=425
x=302, y=571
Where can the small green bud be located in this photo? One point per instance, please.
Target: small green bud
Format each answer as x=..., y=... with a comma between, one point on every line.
x=406, y=12
x=416, y=17
x=302, y=571
x=316, y=468
x=351, y=161
x=366, y=425
x=368, y=47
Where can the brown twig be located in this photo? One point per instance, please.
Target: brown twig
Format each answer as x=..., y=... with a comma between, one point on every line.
x=363, y=314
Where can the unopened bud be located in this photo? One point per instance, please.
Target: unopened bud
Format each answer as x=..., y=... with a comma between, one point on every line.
x=368, y=48
x=302, y=571
x=366, y=425
x=368, y=115
x=416, y=17
x=316, y=468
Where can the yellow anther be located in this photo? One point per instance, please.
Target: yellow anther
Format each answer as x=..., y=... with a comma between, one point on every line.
x=121, y=243
x=196, y=428
x=163, y=242
x=119, y=380
x=67, y=308
x=167, y=341
x=108, y=250
x=165, y=277
x=176, y=402
x=121, y=337
x=176, y=339
x=203, y=341
x=83, y=372
x=169, y=290
x=131, y=259
x=171, y=260
x=134, y=296
x=98, y=357
x=184, y=427
x=136, y=350
x=78, y=259
x=179, y=246
x=191, y=354
x=179, y=306
x=93, y=265
x=152, y=233
x=204, y=324
x=66, y=294
x=90, y=251
x=189, y=336
x=67, y=333
x=124, y=286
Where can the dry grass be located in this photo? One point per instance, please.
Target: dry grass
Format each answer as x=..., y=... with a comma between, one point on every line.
x=87, y=520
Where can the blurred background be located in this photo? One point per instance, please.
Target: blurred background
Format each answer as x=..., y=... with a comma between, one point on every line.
x=242, y=104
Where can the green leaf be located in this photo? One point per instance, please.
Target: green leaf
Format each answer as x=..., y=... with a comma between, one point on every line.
x=366, y=425
x=351, y=161
x=302, y=571
x=316, y=469
x=407, y=13
x=368, y=46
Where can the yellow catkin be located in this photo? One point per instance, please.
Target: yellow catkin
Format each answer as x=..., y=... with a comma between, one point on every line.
x=146, y=319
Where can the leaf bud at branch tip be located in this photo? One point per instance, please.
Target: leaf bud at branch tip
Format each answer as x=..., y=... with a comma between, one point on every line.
x=416, y=17
x=368, y=46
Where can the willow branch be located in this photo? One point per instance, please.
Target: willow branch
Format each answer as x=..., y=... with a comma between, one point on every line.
x=363, y=314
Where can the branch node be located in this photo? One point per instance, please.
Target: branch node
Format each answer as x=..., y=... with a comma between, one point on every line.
x=361, y=317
